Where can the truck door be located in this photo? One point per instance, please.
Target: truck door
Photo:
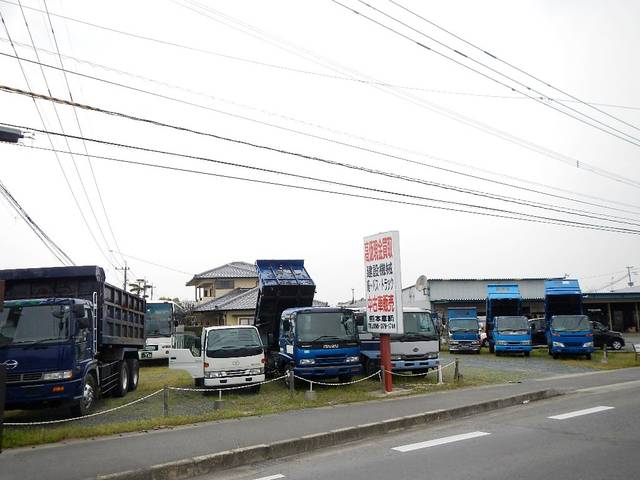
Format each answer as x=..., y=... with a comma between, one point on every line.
x=186, y=354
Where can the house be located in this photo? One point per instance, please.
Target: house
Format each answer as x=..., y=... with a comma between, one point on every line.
x=227, y=295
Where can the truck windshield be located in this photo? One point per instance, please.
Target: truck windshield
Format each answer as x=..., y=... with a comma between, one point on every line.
x=511, y=324
x=463, y=325
x=34, y=323
x=158, y=320
x=329, y=326
x=233, y=342
x=579, y=323
x=418, y=324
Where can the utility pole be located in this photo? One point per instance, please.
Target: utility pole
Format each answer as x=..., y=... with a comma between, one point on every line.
x=629, y=273
x=124, y=269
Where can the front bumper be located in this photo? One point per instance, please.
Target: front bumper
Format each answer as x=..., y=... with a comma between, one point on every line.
x=35, y=394
x=328, y=371
x=233, y=381
x=464, y=347
x=401, y=365
x=573, y=350
x=513, y=348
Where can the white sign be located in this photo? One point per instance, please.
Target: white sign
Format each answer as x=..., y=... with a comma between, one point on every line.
x=383, y=285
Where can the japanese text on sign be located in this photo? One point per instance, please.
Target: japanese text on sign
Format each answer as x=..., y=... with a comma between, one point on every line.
x=382, y=283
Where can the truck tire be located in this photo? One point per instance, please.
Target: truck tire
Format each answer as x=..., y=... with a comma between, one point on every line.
x=255, y=389
x=491, y=348
x=89, y=397
x=122, y=386
x=134, y=373
x=588, y=355
x=555, y=356
x=527, y=354
x=345, y=378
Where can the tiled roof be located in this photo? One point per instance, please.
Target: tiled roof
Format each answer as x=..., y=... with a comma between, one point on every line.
x=229, y=270
x=238, y=299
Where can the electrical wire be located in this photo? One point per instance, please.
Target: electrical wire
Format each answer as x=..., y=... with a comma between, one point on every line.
x=55, y=250
x=618, y=133
x=75, y=114
x=315, y=158
x=494, y=57
x=503, y=213
x=370, y=150
x=155, y=264
x=411, y=99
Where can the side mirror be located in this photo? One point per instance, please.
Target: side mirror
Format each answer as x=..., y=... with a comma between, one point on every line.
x=176, y=323
x=78, y=310
x=286, y=325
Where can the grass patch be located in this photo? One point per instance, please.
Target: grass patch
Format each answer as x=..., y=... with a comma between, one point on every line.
x=615, y=360
x=193, y=407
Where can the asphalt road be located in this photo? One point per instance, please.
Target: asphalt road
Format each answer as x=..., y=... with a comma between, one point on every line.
x=81, y=459
x=595, y=435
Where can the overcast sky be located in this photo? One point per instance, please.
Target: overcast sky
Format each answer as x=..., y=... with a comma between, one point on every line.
x=293, y=64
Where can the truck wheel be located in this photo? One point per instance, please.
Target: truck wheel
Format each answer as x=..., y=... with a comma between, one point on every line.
x=198, y=382
x=88, y=400
x=588, y=355
x=134, y=373
x=616, y=345
x=255, y=389
x=123, y=381
x=555, y=356
x=491, y=348
x=527, y=354
x=345, y=378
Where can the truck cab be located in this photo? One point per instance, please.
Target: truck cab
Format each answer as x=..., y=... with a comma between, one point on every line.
x=511, y=334
x=568, y=330
x=319, y=342
x=161, y=319
x=224, y=356
x=415, y=350
x=464, y=329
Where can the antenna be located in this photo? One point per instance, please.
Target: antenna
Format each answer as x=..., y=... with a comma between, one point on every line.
x=421, y=283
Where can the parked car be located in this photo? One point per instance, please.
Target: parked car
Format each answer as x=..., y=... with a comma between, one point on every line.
x=603, y=336
x=538, y=331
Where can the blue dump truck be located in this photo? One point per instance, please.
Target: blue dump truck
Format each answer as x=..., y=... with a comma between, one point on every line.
x=568, y=330
x=67, y=337
x=416, y=350
x=464, y=329
x=507, y=330
x=317, y=342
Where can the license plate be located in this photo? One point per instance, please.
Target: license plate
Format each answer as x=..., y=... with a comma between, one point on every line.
x=145, y=355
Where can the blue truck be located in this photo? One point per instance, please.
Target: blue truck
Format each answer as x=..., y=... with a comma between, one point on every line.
x=67, y=337
x=568, y=330
x=507, y=330
x=316, y=342
x=416, y=350
x=464, y=329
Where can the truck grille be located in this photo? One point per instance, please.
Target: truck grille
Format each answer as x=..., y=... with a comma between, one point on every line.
x=331, y=360
x=24, y=377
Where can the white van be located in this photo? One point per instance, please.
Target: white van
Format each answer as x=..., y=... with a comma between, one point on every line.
x=223, y=356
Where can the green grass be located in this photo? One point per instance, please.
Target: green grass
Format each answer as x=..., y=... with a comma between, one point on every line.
x=193, y=407
x=615, y=360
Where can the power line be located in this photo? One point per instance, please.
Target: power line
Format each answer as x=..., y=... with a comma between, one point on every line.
x=153, y=263
x=55, y=250
x=75, y=113
x=620, y=134
x=416, y=100
x=494, y=57
x=57, y=115
x=319, y=159
x=521, y=215
x=409, y=98
x=370, y=150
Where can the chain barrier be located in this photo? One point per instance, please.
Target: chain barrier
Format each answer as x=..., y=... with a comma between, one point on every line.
x=339, y=384
x=62, y=420
x=224, y=389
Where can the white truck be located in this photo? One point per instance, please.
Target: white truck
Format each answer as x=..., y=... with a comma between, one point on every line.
x=161, y=319
x=224, y=356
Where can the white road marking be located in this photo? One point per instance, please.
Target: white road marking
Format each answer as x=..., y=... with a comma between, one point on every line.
x=439, y=441
x=578, y=413
x=271, y=477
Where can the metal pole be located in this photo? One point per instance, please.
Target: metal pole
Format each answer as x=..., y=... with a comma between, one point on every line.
x=292, y=379
x=456, y=372
x=165, y=400
x=385, y=361
x=440, y=382
x=604, y=353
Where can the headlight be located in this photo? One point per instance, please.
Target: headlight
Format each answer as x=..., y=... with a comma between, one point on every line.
x=588, y=344
x=254, y=371
x=475, y=342
x=558, y=344
x=215, y=374
x=501, y=342
x=353, y=359
x=526, y=342
x=64, y=375
x=307, y=361
x=432, y=355
x=453, y=342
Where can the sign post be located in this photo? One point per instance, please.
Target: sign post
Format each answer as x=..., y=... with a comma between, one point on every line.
x=383, y=287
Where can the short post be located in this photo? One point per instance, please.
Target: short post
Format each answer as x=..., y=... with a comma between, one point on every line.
x=165, y=400
x=456, y=372
x=219, y=403
x=605, y=359
x=440, y=382
x=310, y=395
x=292, y=379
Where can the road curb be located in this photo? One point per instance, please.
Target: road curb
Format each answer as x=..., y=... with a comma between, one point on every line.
x=207, y=464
